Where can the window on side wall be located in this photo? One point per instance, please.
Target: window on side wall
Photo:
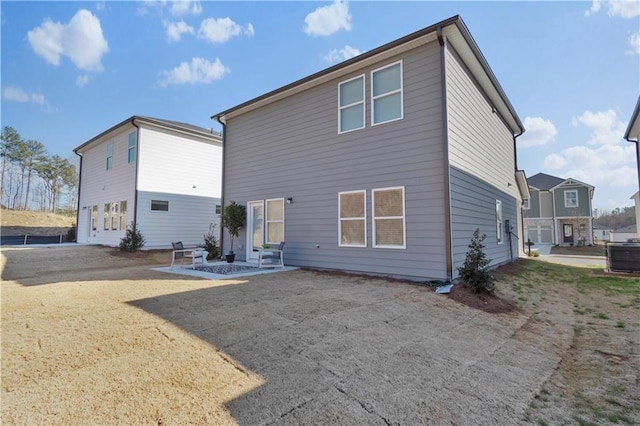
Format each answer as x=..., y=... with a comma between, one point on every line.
x=352, y=219
x=571, y=198
x=351, y=105
x=94, y=218
x=131, y=151
x=109, y=156
x=499, y=221
x=159, y=205
x=114, y=216
x=123, y=215
x=106, y=211
x=386, y=94
x=275, y=221
x=526, y=204
x=389, y=218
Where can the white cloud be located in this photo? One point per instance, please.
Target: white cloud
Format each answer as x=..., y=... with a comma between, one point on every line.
x=222, y=29
x=326, y=20
x=199, y=71
x=634, y=42
x=16, y=94
x=539, y=132
x=605, y=127
x=626, y=9
x=82, y=80
x=176, y=29
x=606, y=164
x=339, y=55
x=185, y=7
x=81, y=40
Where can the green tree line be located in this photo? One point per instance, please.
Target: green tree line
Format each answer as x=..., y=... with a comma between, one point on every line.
x=31, y=179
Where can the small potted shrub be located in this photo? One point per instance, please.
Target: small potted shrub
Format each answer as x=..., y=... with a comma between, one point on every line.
x=234, y=218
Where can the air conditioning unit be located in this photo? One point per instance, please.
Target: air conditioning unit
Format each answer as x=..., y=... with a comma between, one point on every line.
x=623, y=257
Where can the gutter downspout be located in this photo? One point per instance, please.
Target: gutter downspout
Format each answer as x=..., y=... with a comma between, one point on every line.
x=79, y=187
x=637, y=142
x=224, y=154
x=135, y=187
x=445, y=152
x=521, y=211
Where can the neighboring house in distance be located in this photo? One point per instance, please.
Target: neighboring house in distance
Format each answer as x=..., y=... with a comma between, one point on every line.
x=559, y=211
x=633, y=135
x=383, y=164
x=163, y=175
x=623, y=234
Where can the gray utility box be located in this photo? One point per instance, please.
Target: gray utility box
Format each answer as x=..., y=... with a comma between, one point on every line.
x=623, y=257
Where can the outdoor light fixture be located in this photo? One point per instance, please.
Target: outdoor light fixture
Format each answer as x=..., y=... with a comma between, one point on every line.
x=290, y=200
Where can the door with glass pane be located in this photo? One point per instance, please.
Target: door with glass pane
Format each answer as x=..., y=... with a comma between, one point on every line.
x=255, y=228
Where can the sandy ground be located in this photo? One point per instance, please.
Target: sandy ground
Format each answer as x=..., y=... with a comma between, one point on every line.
x=92, y=338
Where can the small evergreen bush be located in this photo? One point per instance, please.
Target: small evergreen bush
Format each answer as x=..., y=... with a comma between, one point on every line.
x=474, y=273
x=211, y=243
x=133, y=240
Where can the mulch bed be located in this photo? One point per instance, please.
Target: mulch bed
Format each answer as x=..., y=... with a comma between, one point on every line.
x=485, y=302
x=226, y=269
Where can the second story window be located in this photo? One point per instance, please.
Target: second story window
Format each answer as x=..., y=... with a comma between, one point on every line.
x=131, y=153
x=386, y=94
x=571, y=198
x=109, y=156
x=351, y=105
x=526, y=205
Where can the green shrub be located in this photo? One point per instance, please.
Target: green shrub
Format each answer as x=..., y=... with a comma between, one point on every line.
x=133, y=239
x=71, y=233
x=211, y=243
x=234, y=218
x=474, y=273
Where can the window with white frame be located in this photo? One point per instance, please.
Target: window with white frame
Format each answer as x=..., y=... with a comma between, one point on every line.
x=107, y=210
x=275, y=221
x=131, y=150
x=94, y=218
x=352, y=219
x=386, y=94
x=571, y=198
x=526, y=204
x=499, y=221
x=351, y=104
x=123, y=215
x=109, y=156
x=388, y=218
x=114, y=216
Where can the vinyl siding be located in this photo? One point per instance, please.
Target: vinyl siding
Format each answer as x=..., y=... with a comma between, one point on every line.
x=534, y=204
x=186, y=172
x=100, y=186
x=473, y=205
x=292, y=148
x=479, y=141
x=546, y=204
x=584, y=204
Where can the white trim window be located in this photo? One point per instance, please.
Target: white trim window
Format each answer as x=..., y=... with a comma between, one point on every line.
x=389, y=218
x=351, y=104
x=123, y=215
x=352, y=223
x=526, y=204
x=386, y=94
x=94, y=217
x=499, y=221
x=109, y=155
x=275, y=221
x=106, y=223
x=571, y=198
x=131, y=149
x=114, y=216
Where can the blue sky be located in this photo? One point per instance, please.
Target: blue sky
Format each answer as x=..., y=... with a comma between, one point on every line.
x=71, y=70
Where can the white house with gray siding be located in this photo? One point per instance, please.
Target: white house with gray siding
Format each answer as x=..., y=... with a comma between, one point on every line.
x=163, y=175
x=383, y=164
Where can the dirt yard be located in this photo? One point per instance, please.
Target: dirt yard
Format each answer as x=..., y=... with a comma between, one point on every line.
x=93, y=336
x=17, y=222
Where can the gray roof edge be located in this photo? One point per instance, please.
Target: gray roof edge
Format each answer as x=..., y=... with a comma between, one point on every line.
x=398, y=42
x=635, y=116
x=189, y=128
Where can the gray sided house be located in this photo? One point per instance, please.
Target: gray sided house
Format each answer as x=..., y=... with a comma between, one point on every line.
x=559, y=211
x=383, y=164
x=633, y=135
x=162, y=175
